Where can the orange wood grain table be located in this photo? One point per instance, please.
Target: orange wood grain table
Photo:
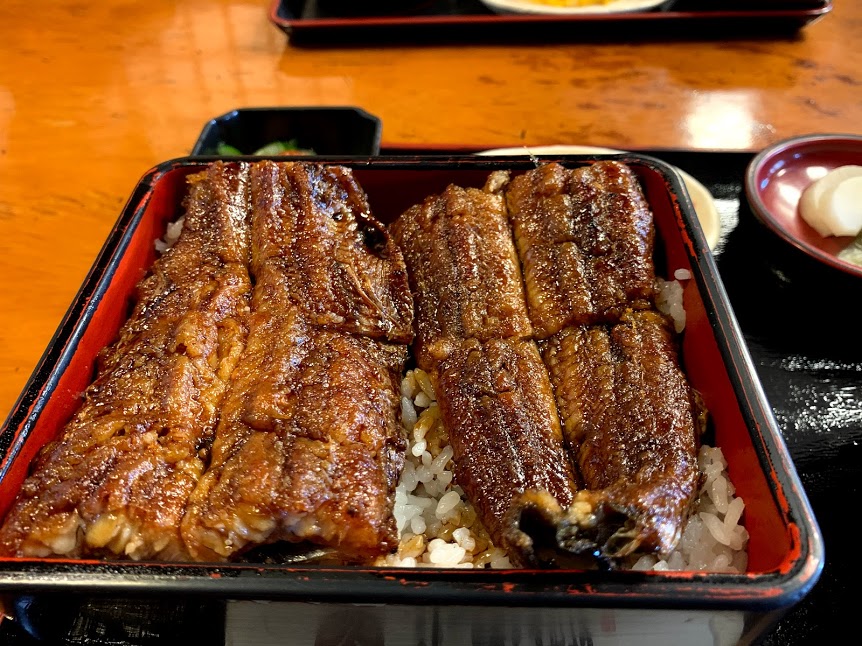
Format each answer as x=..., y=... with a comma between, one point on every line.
x=94, y=94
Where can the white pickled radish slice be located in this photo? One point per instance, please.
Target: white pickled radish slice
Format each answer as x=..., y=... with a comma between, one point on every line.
x=845, y=203
x=833, y=204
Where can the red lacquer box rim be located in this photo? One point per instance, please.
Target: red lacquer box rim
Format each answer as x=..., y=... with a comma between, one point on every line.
x=778, y=587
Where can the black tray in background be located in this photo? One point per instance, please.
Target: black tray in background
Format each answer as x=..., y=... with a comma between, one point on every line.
x=311, y=22
x=808, y=357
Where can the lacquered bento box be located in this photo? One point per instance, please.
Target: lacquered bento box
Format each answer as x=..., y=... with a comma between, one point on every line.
x=322, y=604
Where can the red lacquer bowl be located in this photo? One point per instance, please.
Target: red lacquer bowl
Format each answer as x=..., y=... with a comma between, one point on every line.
x=778, y=175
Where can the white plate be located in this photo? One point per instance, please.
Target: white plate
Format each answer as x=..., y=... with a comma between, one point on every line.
x=704, y=204
x=527, y=6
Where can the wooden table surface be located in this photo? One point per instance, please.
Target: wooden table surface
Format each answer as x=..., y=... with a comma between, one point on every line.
x=94, y=94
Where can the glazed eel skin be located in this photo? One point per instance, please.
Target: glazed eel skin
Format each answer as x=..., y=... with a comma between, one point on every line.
x=631, y=421
x=632, y=424
x=116, y=481
x=309, y=445
x=225, y=415
x=585, y=239
x=621, y=474
x=474, y=339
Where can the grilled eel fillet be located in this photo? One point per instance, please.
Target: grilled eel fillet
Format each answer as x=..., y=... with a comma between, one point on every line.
x=116, y=481
x=463, y=270
x=309, y=446
x=498, y=408
x=337, y=263
x=585, y=240
x=474, y=340
x=631, y=421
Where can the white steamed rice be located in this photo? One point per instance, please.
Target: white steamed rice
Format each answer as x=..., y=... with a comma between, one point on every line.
x=437, y=525
x=669, y=299
x=172, y=233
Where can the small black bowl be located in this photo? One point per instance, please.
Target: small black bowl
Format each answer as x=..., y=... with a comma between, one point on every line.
x=324, y=130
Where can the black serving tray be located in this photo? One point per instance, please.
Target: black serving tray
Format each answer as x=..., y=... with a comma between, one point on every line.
x=313, y=22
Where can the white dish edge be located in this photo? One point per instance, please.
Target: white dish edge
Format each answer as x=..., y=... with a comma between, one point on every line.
x=526, y=6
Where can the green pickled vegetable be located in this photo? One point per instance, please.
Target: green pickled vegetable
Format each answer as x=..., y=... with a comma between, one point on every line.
x=272, y=148
x=227, y=149
x=852, y=253
x=277, y=147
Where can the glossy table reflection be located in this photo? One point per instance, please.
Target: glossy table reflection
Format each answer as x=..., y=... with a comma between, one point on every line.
x=94, y=94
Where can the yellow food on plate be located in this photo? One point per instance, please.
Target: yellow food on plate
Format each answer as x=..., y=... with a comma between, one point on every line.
x=571, y=3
